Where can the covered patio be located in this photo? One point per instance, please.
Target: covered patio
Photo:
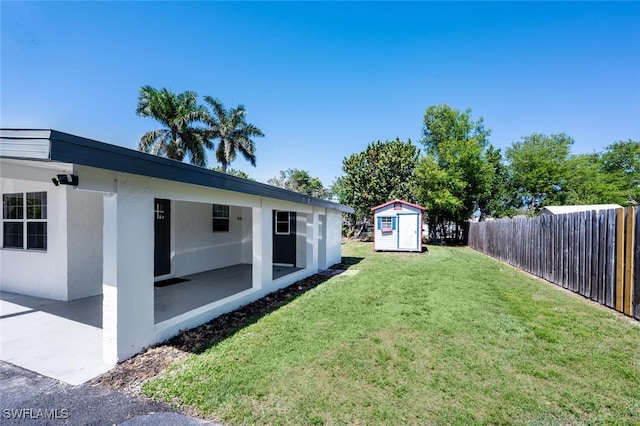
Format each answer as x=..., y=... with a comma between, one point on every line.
x=197, y=290
x=64, y=340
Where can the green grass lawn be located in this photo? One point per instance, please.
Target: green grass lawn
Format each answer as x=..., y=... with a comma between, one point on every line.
x=445, y=337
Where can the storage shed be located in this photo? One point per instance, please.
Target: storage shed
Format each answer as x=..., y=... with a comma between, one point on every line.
x=398, y=226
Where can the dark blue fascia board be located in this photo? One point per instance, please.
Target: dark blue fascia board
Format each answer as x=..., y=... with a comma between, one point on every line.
x=69, y=148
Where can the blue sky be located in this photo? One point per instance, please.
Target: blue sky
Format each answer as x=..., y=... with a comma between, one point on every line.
x=323, y=79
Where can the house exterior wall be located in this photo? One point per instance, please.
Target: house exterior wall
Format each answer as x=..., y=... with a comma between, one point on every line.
x=33, y=272
x=196, y=248
x=71, y=267
x=389, y=240
x=247, y=235
x=84, y=243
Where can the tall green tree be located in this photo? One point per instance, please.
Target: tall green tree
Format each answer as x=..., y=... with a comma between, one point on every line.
x=179, y=114
x=382, y=172
x=454, y=178
x=587, y=182
x=621, y=163
x=233, y=132
x=501, y=199
x=539, y=164
x=443, y=126
x=300, y=181
x=438, y=189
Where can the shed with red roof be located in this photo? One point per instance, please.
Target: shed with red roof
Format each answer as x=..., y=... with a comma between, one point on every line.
x=397, y=226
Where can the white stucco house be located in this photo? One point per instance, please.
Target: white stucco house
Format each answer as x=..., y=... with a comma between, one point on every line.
x=397, y=226
x=84, y=219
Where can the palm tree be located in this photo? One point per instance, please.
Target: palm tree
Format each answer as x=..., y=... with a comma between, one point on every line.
x=178, y=113
x=233, y=131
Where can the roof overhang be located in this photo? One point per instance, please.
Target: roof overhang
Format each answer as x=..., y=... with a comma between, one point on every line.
x=398, y=201
x=55, y=146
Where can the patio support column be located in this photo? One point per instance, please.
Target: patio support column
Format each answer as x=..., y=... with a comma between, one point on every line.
x=312, y=240
x=262, y=245
x=333, y=236
x=321, y=227
x=128, y=245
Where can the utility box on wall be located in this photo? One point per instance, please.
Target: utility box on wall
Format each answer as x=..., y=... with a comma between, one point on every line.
x=397, y=226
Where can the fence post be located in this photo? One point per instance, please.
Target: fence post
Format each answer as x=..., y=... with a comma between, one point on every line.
x=628, y=262
x=619, y=259
x=635, y=291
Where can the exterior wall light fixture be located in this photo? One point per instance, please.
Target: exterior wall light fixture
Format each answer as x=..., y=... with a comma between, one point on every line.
x=65, y=180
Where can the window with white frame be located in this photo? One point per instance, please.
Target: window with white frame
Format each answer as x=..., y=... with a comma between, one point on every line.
x=24, y=221
x=386, y=223
x=282, y=223
x=220, y=218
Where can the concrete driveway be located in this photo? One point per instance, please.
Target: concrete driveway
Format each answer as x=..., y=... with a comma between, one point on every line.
x=27, y=398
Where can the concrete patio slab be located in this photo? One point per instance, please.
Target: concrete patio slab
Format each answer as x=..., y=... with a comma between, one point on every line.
x=200, y=289
x=206, y=287
x=62, y=340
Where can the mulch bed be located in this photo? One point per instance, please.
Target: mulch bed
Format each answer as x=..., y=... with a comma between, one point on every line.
x=129, y=375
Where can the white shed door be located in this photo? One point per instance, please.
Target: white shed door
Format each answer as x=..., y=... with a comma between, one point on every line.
x=408, y=232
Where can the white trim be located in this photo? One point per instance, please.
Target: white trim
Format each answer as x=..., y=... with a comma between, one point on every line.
x=25, y=221
x=36, y=149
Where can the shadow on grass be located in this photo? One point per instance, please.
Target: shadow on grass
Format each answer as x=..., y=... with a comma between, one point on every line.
x=199, y=339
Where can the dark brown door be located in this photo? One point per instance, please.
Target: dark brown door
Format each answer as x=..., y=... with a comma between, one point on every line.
x=284, y=237
x=162, y=237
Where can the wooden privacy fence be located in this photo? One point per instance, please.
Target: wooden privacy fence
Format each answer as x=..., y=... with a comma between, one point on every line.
x=595, y=253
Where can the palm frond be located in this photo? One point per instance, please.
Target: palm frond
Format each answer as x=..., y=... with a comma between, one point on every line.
x=196, y=153
x=152, y=138
x=144, y=100
x=218, y=108
x=179, y=113
x=233, y=132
